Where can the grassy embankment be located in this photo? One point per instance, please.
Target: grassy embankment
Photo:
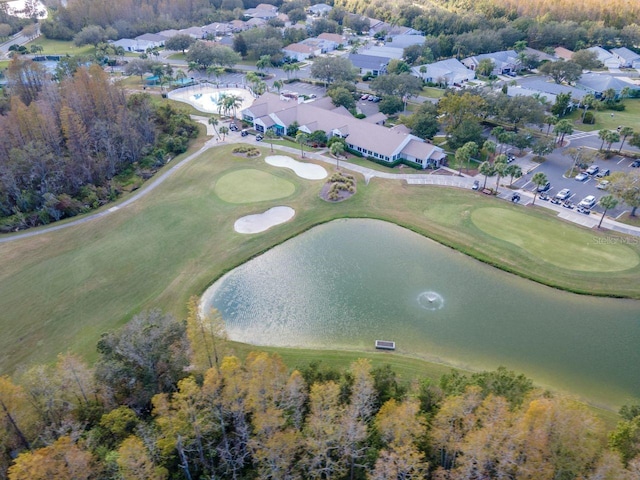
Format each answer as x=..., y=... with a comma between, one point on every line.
x=61, y=47
x=62, y=289
x=629, y=117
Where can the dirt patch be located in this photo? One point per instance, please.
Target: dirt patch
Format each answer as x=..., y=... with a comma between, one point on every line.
x=339, y=187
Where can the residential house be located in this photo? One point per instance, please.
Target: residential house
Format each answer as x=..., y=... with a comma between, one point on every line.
x=217, y=29
x=238, y=26
x=626, y=57
x=449, y=72
x=319, y=9
x=255, y=22
x=605, y=57
x=369, y=139
x=504, y=63
x=172, y=32
x=193, y=32
x=597, y=84
x=404, y=41
x=300, y=51
x=128, y=44
x=563, y=53
x=261, y=11
x=323, y=46
x=545, y=88
x=383, y=51
x=368, y=64
x=155, y=40
x=540, y=55
x=339, y=40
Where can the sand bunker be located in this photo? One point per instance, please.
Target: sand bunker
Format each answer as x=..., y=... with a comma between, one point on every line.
x=264, y=221
x=206, y=97
x=308, y=171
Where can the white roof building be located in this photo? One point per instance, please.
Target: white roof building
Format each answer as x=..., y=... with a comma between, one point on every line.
x=450, y=71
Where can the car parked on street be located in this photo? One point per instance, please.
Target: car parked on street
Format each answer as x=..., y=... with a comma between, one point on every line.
x=582, y=176
x=563, y=194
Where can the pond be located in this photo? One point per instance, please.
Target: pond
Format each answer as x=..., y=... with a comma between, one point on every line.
x=345, y=284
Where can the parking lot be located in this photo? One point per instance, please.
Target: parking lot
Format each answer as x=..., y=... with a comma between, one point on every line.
x=556, y=168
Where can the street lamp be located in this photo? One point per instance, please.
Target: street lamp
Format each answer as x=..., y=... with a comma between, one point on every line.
x=575, y=161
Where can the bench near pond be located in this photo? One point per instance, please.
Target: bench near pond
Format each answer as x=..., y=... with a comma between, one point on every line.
x=385, y=345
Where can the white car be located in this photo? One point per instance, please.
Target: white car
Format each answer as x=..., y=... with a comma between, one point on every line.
x=603, y=185
x=581, y=177
x=563, y=194
x=588, y=201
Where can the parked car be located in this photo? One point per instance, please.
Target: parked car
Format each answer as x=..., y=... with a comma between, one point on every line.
x=259, y=137
x=635, y=164
x=563, y=194
x=233, y=127
x=582, y=176
x=603, y=185
x=588, y=201
x=592, y=170
x=476, y=185
x=605, y=172
x=244, y=133
x=511, y=157
x=544, y=188
x=364, y=97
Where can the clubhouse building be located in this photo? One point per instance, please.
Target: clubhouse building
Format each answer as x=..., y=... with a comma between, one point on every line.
x=387, y=145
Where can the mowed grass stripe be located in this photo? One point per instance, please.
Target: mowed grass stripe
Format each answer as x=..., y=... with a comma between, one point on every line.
x=555, y=242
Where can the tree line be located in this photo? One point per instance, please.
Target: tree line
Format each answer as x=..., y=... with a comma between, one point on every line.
x=168, y=399
x=69, y=146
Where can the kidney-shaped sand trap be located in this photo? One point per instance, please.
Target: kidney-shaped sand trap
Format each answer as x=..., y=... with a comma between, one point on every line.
x=308, y=171
x=263, y=221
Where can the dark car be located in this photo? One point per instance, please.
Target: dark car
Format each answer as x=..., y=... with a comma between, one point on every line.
x=476, y=185
x=636, y=164
x=259, y=137
x=244, y=133
x=233, y=127
x=544, y=188
x=604, y=172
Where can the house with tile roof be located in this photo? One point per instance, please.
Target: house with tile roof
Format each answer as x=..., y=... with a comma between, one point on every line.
x=339, y=40
x=626, y=57
x=301, y=51
x=563, y=53
x=386, y=145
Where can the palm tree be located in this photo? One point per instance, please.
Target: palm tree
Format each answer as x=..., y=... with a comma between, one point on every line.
x=270, y=135
x=213, y=121
x=550, y=120
x=612, y=137
x=500, y=168
x=336, y=150
x=301, y=138
x=224, y=130
x=624, y=133
x=587, y=101
x=514, y=171
x=563, y=127
x=486, y=169
x=264, y=63
x=277, y=85
x=607, y=202
x=539, y=179
x=216, y=70
x=490, y=148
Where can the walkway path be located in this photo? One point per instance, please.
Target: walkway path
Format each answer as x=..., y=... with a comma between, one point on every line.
x=368, y=173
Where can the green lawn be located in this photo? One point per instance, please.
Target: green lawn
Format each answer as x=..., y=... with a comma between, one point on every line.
x=62, y=289
x=177, y=56
x=558, y=244
x=250, y=186
x=432, y=92
x=630, y=117
x=61, y=47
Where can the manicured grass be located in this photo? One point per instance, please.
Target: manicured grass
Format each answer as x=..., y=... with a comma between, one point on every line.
x=555, y=243
x=177, y=56
x=61, y=47
x=629, y=220
x=630, y=117
x=432, y=92
x=62, y=289
x=249, y=186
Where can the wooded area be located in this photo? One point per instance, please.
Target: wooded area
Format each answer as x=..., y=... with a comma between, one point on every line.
x=190, y=409
x=67, y=147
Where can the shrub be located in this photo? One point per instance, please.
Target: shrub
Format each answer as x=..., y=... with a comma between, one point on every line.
x=589, y=118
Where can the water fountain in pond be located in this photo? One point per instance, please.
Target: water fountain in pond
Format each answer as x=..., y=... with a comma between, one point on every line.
x=430, y=300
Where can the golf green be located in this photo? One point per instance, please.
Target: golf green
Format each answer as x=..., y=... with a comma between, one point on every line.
x=554, y=242
x=251, y=185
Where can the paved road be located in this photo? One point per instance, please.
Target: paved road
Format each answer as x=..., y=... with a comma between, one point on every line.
x=450, y=180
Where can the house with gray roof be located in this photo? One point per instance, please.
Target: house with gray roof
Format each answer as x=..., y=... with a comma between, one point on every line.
x=337, y=39
x=369, y=139
x=319, y=9
x=546, y=87
x=383, y=51
x=597, y=84
x=369, y=64
x=128, y=44
x=403, y=41
x=504, y=62
x=263, y=13
x=449, y=72
x=626, y=57
x=605, y=57
x=193, y=32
